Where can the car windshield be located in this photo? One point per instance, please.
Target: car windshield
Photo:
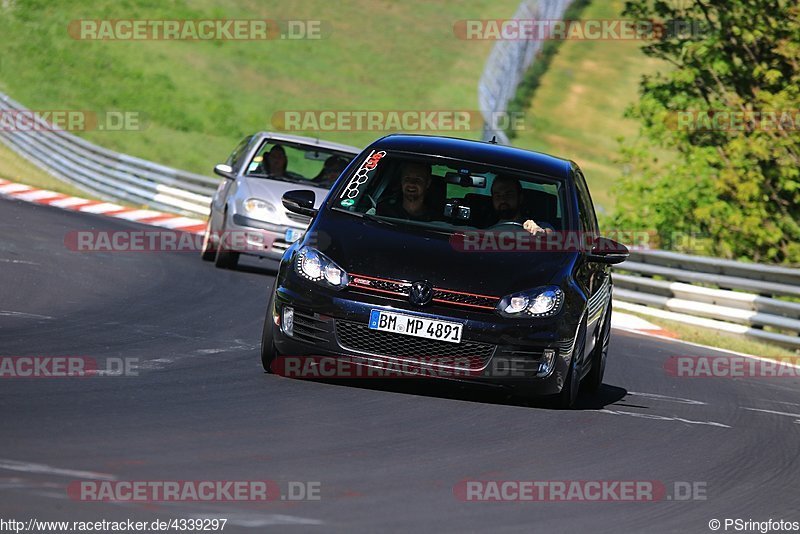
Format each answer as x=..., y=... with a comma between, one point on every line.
x=450, y=196
x=315, y=166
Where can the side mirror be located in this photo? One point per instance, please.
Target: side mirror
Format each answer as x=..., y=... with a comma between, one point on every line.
x=607, y=251
x=300, y=201
x=226, y=171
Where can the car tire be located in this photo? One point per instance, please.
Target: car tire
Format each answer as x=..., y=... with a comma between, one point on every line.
x=209, y=250
x=565, y=400
x=268, y=350
x=599, y=355
x=225, y=258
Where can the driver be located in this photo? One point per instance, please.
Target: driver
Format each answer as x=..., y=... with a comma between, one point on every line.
x=275, y=161
x=331, y=170
x=507, y=204
x=415, y=180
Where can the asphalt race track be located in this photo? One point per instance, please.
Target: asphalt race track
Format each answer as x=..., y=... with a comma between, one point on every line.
x=386, y=456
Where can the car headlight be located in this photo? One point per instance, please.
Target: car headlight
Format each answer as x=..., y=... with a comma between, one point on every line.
x=313, y=265
x=259, y=209
x=539, y=302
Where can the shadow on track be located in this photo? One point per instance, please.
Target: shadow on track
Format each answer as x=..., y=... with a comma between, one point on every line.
x=253, y=265
x=470, y=392
x=264, y=269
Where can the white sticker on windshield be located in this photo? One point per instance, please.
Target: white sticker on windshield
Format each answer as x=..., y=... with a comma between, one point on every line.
x=361, y=176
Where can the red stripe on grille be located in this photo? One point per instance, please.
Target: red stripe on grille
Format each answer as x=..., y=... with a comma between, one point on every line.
x=464, y=304
x=406, y=284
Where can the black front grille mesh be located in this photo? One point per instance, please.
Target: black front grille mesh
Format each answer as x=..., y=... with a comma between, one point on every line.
x=303, y=219
x=359, y=338
x=386, y=285
x=465, y=299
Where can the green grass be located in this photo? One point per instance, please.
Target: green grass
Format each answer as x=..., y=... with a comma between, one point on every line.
x=17, y=169
x=200, y=98
x=722, y=340
x=577, y=110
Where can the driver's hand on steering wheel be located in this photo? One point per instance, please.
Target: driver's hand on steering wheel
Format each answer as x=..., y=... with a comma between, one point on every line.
x=534, y=228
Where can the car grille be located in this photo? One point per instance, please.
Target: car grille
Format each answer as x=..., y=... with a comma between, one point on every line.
x=302, y=219
x=358, y=337
x=401, y=289
x=386, y=285
x=464, y=299
x=280, y=245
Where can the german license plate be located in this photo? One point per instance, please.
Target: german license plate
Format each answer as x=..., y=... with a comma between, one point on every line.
x=410, y=325
x=292, y=235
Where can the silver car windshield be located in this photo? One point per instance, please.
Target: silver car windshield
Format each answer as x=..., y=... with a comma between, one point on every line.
x=313, y=166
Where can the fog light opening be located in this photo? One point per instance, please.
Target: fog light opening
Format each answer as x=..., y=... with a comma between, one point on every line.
x=546, y=364
x=287, y=324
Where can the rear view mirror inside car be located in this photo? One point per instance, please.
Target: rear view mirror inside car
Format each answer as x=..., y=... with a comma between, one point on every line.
x=465, y=179
x=317, y=156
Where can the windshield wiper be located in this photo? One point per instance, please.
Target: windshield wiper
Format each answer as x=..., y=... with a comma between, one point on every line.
x=370, y=217
x=390, y=221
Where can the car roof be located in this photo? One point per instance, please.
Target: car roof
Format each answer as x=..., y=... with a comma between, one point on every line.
x=479, y=151
x=308, y=141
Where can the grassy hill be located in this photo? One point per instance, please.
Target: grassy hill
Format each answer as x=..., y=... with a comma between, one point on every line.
x=577, y=111
x=200, y=98
x=15, y=168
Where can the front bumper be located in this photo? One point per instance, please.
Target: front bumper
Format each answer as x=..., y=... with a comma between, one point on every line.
x=260, y=238
x=520, y=354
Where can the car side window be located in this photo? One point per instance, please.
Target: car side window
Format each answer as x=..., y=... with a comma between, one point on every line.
x=238, y=154
x=588, y=217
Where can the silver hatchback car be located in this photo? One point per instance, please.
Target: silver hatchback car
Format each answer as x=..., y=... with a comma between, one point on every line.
x=246, y=215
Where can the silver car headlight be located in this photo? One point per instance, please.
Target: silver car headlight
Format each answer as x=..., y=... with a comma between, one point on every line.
x=313, y=265
x=260, y=209
x=540, y=302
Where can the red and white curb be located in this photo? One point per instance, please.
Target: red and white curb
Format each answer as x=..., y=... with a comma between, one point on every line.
x=60, y=200
x=634, y=323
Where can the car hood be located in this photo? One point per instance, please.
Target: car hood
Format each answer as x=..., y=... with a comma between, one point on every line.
x=371, y=248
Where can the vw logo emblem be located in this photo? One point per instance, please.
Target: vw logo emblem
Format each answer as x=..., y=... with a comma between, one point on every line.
x=421, y=293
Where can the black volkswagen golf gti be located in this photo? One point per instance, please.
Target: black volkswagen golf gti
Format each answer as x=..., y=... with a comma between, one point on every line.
x=458, y=259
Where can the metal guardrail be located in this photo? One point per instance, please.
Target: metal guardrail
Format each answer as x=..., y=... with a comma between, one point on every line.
x=107, y=174
x=709, y=292
x=508, y=62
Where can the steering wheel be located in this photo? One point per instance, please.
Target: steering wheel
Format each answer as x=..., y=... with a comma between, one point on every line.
x=506, y=223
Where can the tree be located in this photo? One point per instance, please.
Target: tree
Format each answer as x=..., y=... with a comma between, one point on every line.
x=718, y=153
